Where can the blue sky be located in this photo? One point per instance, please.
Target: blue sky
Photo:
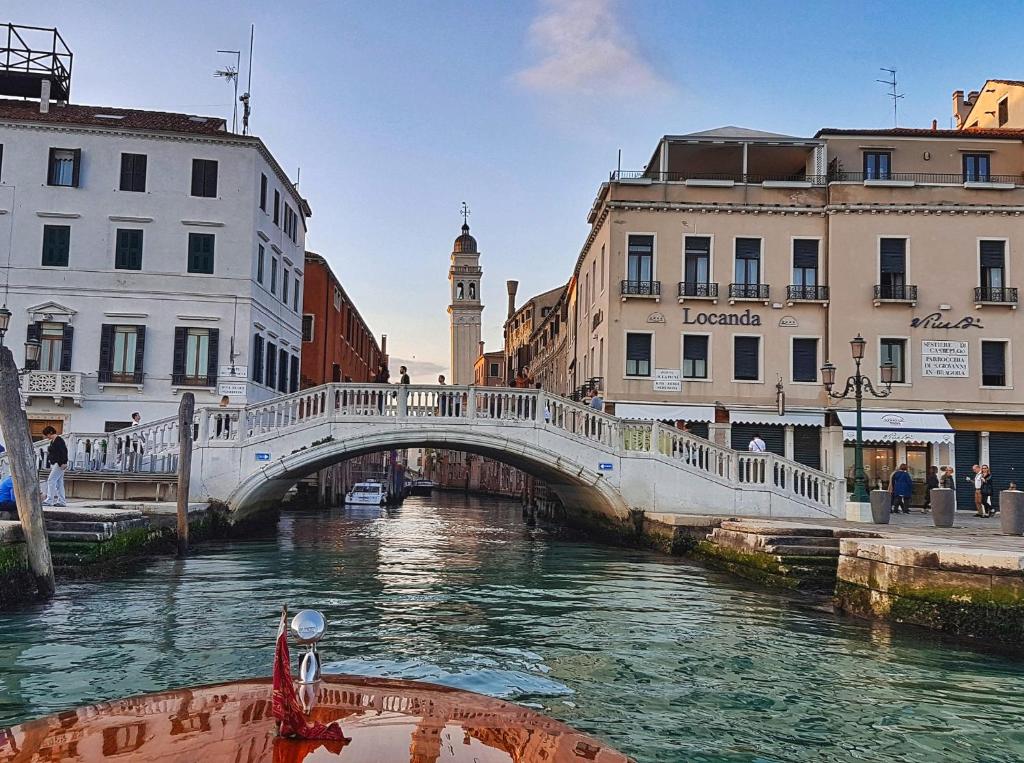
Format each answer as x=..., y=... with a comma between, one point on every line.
x=398, y=111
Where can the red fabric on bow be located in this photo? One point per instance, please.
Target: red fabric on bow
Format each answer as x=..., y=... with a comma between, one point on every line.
x=291, y=721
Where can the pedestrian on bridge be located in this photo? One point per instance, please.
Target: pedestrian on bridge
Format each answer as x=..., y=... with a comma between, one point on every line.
x=756, y=444
x=404, y=379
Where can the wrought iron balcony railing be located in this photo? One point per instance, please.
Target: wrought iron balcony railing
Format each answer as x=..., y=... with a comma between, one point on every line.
x=807, y=293
x=1001, y=295
x=749, y=291
x=698, y=289
x=895, y=293
x=735, y=177
x=641, y=288
x=936, y=178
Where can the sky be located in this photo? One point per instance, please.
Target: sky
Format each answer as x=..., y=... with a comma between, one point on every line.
x=398, y=111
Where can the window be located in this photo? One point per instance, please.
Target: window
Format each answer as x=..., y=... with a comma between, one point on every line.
x=993, y=364
x=877, y=165
x=1, y=162
x=293, y=376
x=263, y=192
x=748, y=262
x=271, y=376
x=696, y=263
x=992, y=258
x=493, y=371
x=260, y=257
x=128, y=253
x=56, y=245
x=638, y=354
x=746, y=358
x=273, y=275
x=601, y=272
x=204, y=178
x=197, y=355
x=133, y=172
x=277, y=207
x=894, y=351
x=640, y=261
x=200, y=253
x=892, y=266
x=295, y=294
x=65, y=167
x=976, y=168
x=282, y=370
x=121, y=351
x=284, y=285
x=257, y=359
x=805, y=262
x=51, y=336
x=307, y=328
x=337, y=299
x=805, y=360
x=695, y=356
x=1004, y=111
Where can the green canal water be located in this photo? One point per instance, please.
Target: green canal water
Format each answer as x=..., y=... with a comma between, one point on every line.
x=664, y=659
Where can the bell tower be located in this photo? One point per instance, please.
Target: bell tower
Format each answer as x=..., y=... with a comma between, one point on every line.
x=465, y=308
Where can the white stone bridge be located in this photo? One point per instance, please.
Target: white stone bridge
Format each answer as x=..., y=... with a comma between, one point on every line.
x=249, y=457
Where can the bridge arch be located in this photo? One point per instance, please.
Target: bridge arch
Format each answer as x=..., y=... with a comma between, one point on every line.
x=579, y=488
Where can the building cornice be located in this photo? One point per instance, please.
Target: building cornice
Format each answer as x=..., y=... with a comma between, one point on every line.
x=924, y=209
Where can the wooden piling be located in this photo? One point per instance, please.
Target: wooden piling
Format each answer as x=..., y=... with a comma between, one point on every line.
x=186, y=415
x=25, y=474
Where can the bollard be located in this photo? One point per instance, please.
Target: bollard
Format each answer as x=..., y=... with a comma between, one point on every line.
x=881, y=506
x=943, y=506
x=1011, y=512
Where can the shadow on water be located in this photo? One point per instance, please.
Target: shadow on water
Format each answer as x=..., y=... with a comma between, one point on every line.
x=667, y=660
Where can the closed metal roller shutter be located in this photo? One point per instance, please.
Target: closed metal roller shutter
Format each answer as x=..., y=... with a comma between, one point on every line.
x=774, y=437
x=699, y=428
x=965, y=449
x=807, y=446
x=1006, y=458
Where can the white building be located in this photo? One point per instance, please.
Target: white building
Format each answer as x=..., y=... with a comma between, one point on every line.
x=465, y=310
x=150, y=253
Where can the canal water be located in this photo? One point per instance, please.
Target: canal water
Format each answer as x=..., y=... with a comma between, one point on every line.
x=662, y=658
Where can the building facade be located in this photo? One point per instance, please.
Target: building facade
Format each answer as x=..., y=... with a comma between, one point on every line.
x=488, y=371
x=519, y=330
x=465, y=310
x=716, y=282
x=150, y=253
x=337, y=345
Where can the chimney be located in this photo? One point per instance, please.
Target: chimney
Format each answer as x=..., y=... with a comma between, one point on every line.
x=961, y=109
x=513, y=287
x=384, y=345
x=935, y=125
x=44, y=97
x=481, y=351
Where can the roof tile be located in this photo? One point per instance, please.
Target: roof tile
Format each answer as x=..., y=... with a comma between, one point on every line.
x=108, y=116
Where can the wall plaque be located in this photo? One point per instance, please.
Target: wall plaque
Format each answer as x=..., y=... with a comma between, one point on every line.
x=656, y=318
x=944, y=358
x=788, y=322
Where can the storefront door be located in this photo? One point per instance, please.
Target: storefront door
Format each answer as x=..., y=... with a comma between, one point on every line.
x=918, y=462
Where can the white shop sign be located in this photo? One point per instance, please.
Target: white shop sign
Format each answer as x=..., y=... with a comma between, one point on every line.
x=232, y=389
x=667, y=380
x=944, y=358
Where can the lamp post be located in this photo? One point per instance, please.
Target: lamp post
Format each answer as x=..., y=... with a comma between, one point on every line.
x=856, y=385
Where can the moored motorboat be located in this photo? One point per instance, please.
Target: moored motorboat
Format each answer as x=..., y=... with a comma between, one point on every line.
x=367, y=494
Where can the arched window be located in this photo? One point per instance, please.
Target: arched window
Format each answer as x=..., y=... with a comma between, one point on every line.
x=458, y=290
x=472, y=289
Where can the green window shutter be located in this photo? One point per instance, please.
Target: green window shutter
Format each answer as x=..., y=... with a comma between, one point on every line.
x=200, y=252
x=56, y=245
x=128, y=255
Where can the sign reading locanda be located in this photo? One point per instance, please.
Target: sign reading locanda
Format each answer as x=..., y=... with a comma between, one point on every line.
x=746, y=318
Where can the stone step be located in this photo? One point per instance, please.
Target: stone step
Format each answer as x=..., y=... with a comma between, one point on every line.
x=792, y=550
x=799, y=540
x=79, y=536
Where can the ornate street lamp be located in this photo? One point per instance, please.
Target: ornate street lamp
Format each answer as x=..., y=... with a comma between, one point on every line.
x=856, y=385
x=5, y=321
x=33, y=348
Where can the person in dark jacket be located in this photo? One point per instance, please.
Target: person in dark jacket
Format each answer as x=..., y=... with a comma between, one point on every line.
x=948, y=481
x=930, y=483
x=901, y=485
x=57, y=459
x=986, y=491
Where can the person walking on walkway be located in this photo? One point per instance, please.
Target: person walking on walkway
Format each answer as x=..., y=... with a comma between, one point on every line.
x=986, y=491
x=930, y=483
x=57, y=459
x=901, y=486
x=977, y=480
x=756, y=444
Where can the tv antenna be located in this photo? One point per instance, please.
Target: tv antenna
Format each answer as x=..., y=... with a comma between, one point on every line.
x=892, y=93
x=244, y=97
x=230, y=73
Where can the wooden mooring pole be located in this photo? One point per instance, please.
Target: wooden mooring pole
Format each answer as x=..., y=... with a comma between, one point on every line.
x=25, y=474
x=186, y=415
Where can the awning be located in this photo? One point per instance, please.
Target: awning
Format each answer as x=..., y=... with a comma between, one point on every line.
x=795, y=419
x=897, y=426
x=656, y=412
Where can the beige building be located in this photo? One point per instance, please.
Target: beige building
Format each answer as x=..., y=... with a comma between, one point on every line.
x=465, y=309
x=520, y=326
x=716, y=281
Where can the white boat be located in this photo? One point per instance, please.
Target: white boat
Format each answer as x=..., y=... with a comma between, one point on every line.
x=367, y=493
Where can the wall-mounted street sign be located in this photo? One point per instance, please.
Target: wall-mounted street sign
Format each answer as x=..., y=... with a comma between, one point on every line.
x=605, y=467
x=232, y=389
x=944, y=358
x=234, y=372
x=667, y=380
x=262, y=456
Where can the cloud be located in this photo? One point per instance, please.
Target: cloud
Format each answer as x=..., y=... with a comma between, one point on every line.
x=420, y=371
x=585, y=50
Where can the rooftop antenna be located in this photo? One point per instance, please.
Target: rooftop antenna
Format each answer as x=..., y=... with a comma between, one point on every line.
x=892, y=94
x=244, y=97
x=230, y=73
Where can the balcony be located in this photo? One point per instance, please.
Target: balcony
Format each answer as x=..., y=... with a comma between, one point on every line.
x=926, y=178
x=749, y=291
x=887, y=293
x=646, y=289
x=795, y=180
x=58, y=385
x=995, y=295
x=806, y=293
x=697, y=290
